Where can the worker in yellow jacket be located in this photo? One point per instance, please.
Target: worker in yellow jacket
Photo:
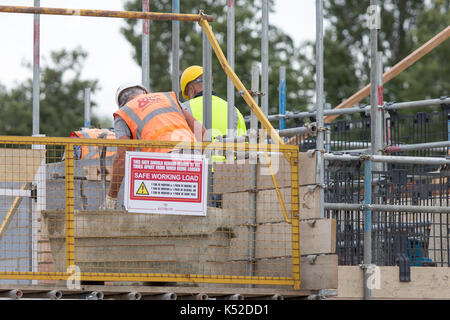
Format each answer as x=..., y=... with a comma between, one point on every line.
x=191, y=84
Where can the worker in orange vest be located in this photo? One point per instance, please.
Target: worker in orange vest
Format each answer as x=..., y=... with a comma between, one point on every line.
x=147, y=116
x=91, y=152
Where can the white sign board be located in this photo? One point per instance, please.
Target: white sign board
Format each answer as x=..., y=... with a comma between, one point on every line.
x=163, y=183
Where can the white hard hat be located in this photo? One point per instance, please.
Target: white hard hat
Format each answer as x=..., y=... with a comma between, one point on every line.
x=127, y=85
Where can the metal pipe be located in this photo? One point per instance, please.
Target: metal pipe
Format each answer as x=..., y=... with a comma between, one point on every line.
x=207, y=86
x=126, y=296
x=87, y=107
x=272, y=297
x=310, y=129
x=254, y=87
x=200, y=296
x=146, y=47
x=387, y=106
x=90, y=295
x=419, y=146
x=320, y=104
x=378, y=139
x=14, y=294
x=163, y=296
x=367, y=227
x=252, y=196
x=107, y=13
x=265, y=64
x=232, y=297
x=386, y=207
x=36, y=69
x=390, y=159
x=265, y=57
x=51, y=295
x=176, y=49
x=282, y=100
x=231, y=35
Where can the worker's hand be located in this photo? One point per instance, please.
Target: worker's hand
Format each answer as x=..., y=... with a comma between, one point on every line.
x=110, y=204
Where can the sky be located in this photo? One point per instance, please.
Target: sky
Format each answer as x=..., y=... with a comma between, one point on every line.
x=110, y=57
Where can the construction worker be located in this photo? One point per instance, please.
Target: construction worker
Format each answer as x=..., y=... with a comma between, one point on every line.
x=91, y=152
x=147, y=116
x=191, y=84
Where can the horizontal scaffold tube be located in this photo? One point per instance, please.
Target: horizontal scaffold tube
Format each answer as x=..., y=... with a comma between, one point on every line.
x=419, y=146
x=107, y=13
x=387, y=106
x=386, y=207
x=389, y=159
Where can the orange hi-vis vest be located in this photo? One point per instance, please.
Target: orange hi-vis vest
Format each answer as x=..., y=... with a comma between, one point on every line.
x=156, y=116
x=93, y=152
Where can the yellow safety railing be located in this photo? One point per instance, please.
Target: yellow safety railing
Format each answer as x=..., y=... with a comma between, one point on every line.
x=60, y=226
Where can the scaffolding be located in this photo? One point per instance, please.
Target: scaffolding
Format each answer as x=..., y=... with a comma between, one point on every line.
x=372, y=153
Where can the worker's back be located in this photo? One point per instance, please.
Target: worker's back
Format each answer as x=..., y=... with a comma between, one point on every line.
x=156, y=116
x=92, y=152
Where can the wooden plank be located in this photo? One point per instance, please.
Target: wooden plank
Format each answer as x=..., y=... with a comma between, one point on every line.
x=322, y=274
x=426, y=283
x=309, y=202
x=93, y=173
x=307, y=169
x=19, y=165
x=268, y=207
x=274, y=240
x=394, y=71
x=318, y=237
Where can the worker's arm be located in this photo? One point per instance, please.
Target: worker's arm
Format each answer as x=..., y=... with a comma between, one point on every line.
x=196, y=127
x=118, y=170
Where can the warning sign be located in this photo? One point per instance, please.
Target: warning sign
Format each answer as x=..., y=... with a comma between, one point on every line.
x=142, y=191
x=165, y=183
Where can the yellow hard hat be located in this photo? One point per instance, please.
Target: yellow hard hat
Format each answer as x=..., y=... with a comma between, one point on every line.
x=190, y=74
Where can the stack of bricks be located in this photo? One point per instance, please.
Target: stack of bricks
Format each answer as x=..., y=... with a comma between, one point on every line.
x=263, y=246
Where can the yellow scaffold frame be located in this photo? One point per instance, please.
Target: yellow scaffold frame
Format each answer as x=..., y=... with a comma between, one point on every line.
x=290, y=152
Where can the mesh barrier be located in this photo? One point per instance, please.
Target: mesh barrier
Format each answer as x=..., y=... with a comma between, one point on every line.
x=54, y=219
x=422, y=237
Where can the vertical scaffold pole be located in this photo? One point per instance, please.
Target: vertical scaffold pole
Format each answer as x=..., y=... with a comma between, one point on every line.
x=320, y=103
x=146, y=46
x=380, y=138
x=176, y=49
x=207, y=85
x=265, y=61
x=282, y=90
x=87, y=107
x=36, y=69
x=374, y=25
x=252, y=196
x=367, y=229
x=231, y=60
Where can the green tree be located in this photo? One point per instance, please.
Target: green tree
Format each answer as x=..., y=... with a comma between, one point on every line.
x=282, y=51
x=61, y=100
x=406, y=25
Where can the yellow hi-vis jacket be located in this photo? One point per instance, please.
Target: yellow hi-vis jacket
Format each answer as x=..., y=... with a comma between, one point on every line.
x=219, y=118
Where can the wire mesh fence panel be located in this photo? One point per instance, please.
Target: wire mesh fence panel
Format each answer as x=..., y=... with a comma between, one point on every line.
x=22, y=198
x=425, y=234
x=248, y=234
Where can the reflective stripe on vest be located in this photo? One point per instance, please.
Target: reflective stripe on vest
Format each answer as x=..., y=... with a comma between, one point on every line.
x=143, y=117
x=93, y=152
x=219, y=115
x=219, y=118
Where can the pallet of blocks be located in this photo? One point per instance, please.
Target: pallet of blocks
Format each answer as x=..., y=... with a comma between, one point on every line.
x=262, y=246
